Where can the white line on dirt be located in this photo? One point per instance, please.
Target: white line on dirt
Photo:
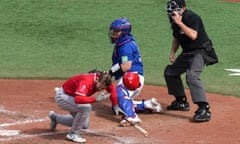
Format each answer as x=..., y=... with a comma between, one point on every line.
x=9, y=132
x=118, y=139
x=31, y=135
x=24, y=122
x=16, y=134
x=7, y=111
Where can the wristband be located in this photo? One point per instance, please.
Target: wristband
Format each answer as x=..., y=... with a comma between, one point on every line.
x=115, y=68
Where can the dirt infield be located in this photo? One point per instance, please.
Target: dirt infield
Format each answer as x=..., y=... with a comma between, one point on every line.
x=232, y=0
x=24, y=106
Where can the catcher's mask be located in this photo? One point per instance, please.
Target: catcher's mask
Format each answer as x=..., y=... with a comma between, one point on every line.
x=174, y=5
x=131, y=80
x=119, y=25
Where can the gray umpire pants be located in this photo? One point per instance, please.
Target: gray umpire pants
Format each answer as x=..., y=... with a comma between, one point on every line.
x=79, y=113
x=193, y=65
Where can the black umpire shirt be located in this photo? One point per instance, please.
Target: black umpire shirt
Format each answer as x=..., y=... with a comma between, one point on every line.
x=193, y=21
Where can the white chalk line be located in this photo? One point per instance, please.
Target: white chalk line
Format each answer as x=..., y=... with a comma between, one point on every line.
x=31, y=135
x=118, y=139
x=7, y=112
x=24, y=122
x=104, y=134
x=2, y=110
x=19, y=135
x=9, y=132
x=122, y=140
x=5, y=132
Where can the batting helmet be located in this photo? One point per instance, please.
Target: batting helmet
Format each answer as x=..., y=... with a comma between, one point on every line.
x=131, y=80
x=121, y=24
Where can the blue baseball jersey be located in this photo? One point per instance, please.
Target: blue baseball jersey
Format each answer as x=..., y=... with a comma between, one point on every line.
x=126, y=50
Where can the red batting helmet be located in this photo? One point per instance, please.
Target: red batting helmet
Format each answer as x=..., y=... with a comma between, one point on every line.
x=131, y=80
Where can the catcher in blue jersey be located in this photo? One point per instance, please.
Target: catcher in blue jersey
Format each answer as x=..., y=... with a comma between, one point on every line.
x=126, y=57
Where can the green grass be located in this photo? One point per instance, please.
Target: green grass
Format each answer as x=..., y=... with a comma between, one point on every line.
x=42, y=39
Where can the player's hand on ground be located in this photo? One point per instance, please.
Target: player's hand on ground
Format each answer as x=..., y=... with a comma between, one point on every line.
x=118, y=110
x=102, y=97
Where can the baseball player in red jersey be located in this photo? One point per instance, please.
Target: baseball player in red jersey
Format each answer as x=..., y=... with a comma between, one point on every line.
x=74, y=96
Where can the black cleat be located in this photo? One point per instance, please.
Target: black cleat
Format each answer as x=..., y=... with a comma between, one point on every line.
x=202, y=115
x=53, y=123
x=180, y=106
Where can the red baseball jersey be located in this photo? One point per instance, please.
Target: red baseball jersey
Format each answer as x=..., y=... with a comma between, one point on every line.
x=82, y=86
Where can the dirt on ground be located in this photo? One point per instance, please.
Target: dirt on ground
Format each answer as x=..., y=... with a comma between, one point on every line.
x=232, y=0
x=24, y=106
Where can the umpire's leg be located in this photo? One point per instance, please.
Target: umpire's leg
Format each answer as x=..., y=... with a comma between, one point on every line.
x=172, y=75
x=194, y=82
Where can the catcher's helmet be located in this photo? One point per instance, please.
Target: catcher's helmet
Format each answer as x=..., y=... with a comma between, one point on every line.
x=121, y=24
x=174, y=5
x=131, y=80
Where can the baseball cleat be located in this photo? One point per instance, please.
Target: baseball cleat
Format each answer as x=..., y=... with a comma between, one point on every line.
x=179, y=106
x=53, y=123
x=202, y=115
x=153, y=105
x=75, y=138
x=130, y=120
x=124, y=123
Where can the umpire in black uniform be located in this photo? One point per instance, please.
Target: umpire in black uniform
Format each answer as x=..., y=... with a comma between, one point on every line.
x=189, y=33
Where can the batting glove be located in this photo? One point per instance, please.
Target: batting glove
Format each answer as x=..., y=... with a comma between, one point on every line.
x=118, y=110
x=102, y=97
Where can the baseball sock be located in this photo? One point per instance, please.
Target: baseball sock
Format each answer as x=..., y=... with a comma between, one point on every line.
x=181, y=99
x=203, y=105
x=140, y=106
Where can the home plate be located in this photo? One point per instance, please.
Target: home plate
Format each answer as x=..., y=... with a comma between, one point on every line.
x=9, y=132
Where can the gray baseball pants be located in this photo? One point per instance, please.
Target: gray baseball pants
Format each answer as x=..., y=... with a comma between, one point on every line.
x=193, y=65
x=79, y=113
